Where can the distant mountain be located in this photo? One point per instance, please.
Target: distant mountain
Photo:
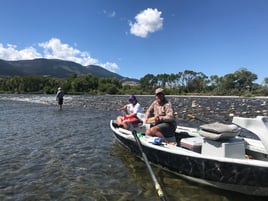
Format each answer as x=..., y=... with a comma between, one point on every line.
x=54, y=68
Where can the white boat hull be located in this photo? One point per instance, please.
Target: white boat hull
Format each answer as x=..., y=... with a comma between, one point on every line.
x=243, y=175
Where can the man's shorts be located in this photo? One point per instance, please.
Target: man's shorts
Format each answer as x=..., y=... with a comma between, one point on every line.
x=167, y=129
x=60, y=101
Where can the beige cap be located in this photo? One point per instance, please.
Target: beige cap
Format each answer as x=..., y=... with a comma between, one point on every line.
x=159, y=90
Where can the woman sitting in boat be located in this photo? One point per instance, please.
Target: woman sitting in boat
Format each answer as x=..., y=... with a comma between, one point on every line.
x=131, y=111
x=163, y=121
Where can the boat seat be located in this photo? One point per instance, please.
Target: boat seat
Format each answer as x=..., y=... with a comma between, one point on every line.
x=219, y=131
x=258, y=126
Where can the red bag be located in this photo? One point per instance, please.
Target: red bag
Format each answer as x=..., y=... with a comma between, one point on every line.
x=134, y=120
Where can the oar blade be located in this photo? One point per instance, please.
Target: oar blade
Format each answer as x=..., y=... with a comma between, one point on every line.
x=144, y=156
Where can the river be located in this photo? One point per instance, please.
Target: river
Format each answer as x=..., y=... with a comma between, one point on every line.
x=72, y=154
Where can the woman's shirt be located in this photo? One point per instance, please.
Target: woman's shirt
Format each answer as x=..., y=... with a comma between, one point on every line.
x=134, y=108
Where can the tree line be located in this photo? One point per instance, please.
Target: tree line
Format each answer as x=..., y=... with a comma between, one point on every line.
x=49, y=85
x=239, y=83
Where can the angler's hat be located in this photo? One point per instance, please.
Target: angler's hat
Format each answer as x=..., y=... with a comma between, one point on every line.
x=132, y=97
x=159, y=90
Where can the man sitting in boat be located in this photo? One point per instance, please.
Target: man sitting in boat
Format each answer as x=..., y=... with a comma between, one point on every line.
x=160, y=115
x=131, y=111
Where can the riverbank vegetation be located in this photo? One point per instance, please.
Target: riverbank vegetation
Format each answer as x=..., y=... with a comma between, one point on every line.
x=239, y=83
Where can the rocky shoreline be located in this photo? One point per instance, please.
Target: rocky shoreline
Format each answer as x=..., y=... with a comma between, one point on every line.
x=208, y=108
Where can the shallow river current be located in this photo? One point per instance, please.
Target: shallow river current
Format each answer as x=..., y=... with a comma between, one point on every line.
x=72, y=154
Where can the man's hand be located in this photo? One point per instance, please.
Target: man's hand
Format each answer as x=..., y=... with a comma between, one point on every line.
x=152, y=119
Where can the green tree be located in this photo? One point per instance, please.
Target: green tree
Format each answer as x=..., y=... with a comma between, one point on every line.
x=244, y=79
x=84, y=83
x=148, y=82
x=109, y=85
x=266, y=81
x=198, y=83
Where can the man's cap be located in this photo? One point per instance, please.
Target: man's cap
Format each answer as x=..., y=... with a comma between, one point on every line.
x=132, y=97
x=159, y=90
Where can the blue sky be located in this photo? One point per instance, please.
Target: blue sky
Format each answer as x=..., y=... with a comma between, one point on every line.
x=137, y=37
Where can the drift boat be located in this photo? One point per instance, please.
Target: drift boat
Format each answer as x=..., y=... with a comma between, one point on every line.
x=214, y=154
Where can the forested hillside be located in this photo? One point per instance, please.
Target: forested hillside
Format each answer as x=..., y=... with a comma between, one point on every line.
x=53, y=68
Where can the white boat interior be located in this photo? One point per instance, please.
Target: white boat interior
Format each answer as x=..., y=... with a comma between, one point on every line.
x=224, y=140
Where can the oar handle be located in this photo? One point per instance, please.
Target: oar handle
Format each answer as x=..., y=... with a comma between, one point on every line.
x=191, y=116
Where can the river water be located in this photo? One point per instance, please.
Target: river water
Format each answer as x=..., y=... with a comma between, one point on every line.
x=72, y=154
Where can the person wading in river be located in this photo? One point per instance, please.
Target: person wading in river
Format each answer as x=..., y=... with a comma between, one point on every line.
x=59, y=98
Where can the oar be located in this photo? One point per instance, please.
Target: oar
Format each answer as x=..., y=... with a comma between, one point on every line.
x=156, y=184
x=191, y=116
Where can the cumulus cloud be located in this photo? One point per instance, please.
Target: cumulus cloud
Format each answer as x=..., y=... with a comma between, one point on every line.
x=12, y=53
x=53, y=49
x=147, y=21
x=110, y=66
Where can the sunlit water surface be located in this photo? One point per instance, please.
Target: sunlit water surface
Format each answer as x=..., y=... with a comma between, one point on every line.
x=72, y=154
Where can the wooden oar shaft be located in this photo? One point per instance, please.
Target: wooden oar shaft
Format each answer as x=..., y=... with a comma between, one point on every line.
x=156, y=184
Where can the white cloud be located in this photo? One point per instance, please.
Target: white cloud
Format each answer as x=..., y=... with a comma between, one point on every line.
x=112, y=14
x=109, y=14
x=53, y=49
x=147, y=21
x=110, y=66
x=11, y=53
